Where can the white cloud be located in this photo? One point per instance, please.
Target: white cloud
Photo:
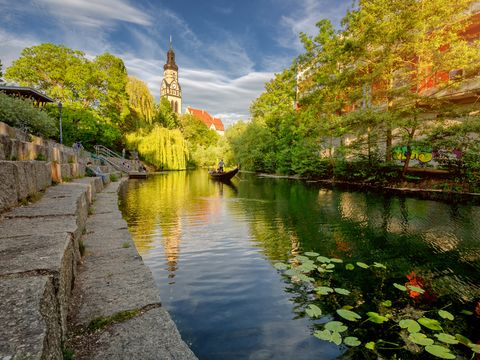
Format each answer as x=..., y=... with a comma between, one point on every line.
x=11, y=46
x=307, y=14
x=95, y=13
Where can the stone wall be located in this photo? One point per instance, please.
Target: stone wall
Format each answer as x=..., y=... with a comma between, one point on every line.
x=29, y=164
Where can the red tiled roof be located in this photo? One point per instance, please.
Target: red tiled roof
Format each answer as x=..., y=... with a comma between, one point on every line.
x=206, y=118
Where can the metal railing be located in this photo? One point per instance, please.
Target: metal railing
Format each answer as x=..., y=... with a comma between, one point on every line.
x=106, y=152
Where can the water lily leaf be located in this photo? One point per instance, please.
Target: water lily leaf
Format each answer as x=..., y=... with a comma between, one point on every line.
x=306, y=267
x=302, y=258
x=446, y=338
x=411, y=325
x=330, y=266
x=280, y=266
x=370, y=345
x=376, y=317
x=313, y=311
x=323, y=334
x=291, y=272
x=348, y=315
x=445, y=315
x=305, y=278
x=311, y=254
x=386, y=303
x=400, y=287
x=431, y=324
x=416, y=289
x=336, y=338
x=335, y=260
x=467, y=312
x=362, y=265
x=336, y=326
x=323, y=259
x=440, y=351
x=323, y=290
x=463, y=340
x=349, y=266
x=351, y=341
x=474, y=347
x=420, y=339
x=378, y=265
x=342, y=291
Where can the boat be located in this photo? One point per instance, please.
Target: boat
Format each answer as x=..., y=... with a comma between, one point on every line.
x=223, y=176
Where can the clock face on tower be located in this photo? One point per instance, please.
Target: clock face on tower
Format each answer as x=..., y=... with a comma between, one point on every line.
x=174, y=86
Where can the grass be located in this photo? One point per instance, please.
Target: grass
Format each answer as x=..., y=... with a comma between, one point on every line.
x=81, y=247
x=68, y=354
x=113, y=177
x=30, y=199
x=91, y=210
x=41, y=157
x=102, y=322
x=125, y=245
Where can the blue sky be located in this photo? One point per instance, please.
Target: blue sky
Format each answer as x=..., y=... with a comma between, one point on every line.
x=226, y=50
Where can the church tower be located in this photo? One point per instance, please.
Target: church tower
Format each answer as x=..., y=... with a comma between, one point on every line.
x=170, y=86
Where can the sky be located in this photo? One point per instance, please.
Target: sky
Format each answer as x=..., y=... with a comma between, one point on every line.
x=225, y=49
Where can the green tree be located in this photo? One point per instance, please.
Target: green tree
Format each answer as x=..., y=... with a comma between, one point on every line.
x=140, y=100
x=165, y=116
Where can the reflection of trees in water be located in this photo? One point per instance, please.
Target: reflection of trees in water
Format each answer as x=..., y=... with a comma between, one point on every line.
x=153, y=210
x=430, y=238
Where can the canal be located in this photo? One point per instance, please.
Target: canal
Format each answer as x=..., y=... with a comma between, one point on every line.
x=212, y=249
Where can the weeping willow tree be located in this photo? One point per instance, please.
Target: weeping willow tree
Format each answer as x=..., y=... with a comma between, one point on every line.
x=164, y=148
x=140, y=99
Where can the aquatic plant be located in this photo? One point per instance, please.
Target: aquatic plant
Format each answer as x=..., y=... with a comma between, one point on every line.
x=390, y=320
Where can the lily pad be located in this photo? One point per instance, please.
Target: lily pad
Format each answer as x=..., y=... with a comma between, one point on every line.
x=305, y=278
x=440, y=351
x=466, y=312
x=351, y=341
x=281, y=266
x=416, y=289
x=431, y=324
x=386, y=303
x=336, y=326
x=336, y=338
x=335, y=260
x=307, y=267
x=342, y=291
x=411, y=325
x=370, y=345
x=323, y=334
x=362, y=265
x=475, y=347
x=330, y=266
x=463, y=340
x=348, y=315
x=291, y=272
x=446, y=338
x=445, y=315
x=302, y=258
x=400, y=287
x=376, y=317
x=349, y=266
x=311, y=254
x=313, y=311
x=323, y=259
x=378, y=265
x=323, y=290
x=420, y=339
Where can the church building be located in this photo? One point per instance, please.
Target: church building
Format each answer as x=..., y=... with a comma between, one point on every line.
x=170, y=86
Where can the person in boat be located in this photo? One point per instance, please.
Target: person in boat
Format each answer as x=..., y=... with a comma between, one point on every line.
x=221, y=165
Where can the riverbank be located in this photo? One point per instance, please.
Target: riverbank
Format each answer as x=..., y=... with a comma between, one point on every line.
x=67, y=278
x=420, y=189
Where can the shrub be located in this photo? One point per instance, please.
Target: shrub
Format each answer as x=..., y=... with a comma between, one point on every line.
x=21, y=113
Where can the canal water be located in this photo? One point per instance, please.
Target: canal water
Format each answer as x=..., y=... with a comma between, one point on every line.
x=212, y=249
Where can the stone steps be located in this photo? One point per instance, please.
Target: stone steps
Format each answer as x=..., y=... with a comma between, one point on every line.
x=39, y=252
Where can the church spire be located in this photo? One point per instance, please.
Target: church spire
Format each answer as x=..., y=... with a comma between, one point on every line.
x=170, y=58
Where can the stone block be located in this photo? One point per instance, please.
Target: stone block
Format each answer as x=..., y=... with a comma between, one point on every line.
x=8, y=186
x=43, y=174
x=53, y=253
x=29, y=317
x=25, y=178
x=13, y=150
x=65, y=170
x=91, y=184
x=153, y=335
x=55, y=154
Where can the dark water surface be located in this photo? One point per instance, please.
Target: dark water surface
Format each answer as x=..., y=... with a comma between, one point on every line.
x=211, y=248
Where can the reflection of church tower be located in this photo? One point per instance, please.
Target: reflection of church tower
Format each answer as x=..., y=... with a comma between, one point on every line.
x=170, y=87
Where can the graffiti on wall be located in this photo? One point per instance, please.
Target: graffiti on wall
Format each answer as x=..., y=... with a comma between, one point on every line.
x=425, y=154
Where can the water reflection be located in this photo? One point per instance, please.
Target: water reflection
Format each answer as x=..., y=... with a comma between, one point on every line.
x=211, y=247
